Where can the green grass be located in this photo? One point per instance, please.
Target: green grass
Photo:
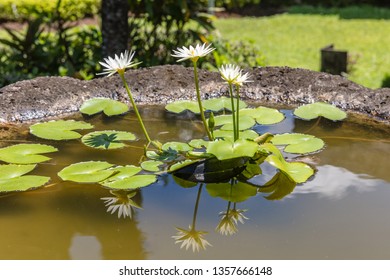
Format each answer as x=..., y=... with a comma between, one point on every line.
x=295, y=40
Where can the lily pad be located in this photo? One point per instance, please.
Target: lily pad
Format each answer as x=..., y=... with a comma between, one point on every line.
x=87, y=172
x=122, y=172
x=177, y=146
x=199, y=143
x=279, y=186
x=237, y=192
x=226, y=121
x=108, y=106
x=218, y=104
x=59, y=130
x=107, y=139
x=12, y=179
x=297, y=171
x=246, y=134
x=151, y=165
x=298, y=143
x=320, y=109
x=227, y=149
x=134, y=182
x=183, y=105
x=26, y=153
x=263, y=115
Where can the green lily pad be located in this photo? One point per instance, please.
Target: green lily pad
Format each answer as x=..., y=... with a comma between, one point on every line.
x=167, y=155
x=122, y=172
x=26, y=153
x=279, y=186
x=87, y=172
x=297, y=171
x=246, y=134
x=227, y=149
x=320, y=109
x=263, y=115
x=218, y=104
x=12, y=179
x=298, y=143
x=198, y=143
x=107, y=139
x=238, y=192
x=183, y=105
x=108, y=106
x=59, y=130
x=151, y=165
x=226, y=121
x=181, y=164
x=177, y=146
x=134, y=182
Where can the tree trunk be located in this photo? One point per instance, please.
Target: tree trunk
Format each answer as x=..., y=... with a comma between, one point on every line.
x=115, y=28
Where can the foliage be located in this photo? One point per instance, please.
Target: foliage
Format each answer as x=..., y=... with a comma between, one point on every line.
x=27, y=9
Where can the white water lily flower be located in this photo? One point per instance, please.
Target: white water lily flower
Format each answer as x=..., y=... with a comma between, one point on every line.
x=241, y=79
x=192, y=53
x=191, y=238
x=118, y=64
x=229, y=72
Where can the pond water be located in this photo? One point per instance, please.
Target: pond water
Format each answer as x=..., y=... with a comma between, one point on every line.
x=342, y=213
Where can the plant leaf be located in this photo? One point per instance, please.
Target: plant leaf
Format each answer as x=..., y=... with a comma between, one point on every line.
x=246, y=134
x=198, y=143
x=26, y=153
x=226, y=122
x=263, y=115
x=218, y=104
x=134, y=182
x=12, y=179
x=183, y=105
x=320, y=109
x=227, y=149
x=109, y=107
x=237, y=192
x=59, y=130
x=87, y=172
x=177, y=146
x=297, y=171
x=167, y=155
x=298, y=143
x=122, y=172
x=151, y=165
x=107, y=139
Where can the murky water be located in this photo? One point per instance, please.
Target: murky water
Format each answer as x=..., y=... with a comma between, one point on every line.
x=342, y=213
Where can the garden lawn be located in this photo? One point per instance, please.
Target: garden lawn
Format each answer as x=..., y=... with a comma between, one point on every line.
x=295, y=40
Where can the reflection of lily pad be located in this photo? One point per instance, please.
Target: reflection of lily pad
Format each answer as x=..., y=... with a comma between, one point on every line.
x=263, y=115
x=183, y=105
x=279, y=186
x=218, y=104
x=297, y=171
x=151, y=165
x=320, y=109
x=237, y=192
x=133, y=182
x=226, y=149
x=298, y=143
x=107, y=139
x=108, y=106
x=59, y=130
x=226, y=121
x=12, y=179
x=87, y=172
x=26, y=153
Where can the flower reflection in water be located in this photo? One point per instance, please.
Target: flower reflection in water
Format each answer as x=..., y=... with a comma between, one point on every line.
x=230, y=219
x=122, y=203
x=192, y=237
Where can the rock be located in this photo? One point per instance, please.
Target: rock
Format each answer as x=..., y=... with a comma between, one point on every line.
x=46, y=97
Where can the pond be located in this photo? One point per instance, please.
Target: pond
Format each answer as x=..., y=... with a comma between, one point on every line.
x=341, y=213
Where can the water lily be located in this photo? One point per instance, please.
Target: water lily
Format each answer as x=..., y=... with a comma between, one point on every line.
x=118, y=64
x=241, y=79
x=229, y=72
x=191, y=238
x=192, y=53
x=121, y=203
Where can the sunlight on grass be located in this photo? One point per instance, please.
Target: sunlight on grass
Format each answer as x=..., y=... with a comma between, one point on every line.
x=296, y=40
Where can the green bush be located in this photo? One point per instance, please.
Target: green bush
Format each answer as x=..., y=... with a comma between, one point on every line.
x=27, y=9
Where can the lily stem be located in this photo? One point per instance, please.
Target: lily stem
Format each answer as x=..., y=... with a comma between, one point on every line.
x=233, y=112
x=200, y=102
x=135, y=108
x=238, y=111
